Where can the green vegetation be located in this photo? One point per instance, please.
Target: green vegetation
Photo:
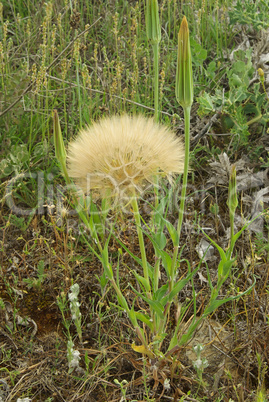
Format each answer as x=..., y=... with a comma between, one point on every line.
x=166, y=298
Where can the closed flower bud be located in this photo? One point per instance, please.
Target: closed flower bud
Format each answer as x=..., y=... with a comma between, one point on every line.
x=184, y=79
x=60, y=152
x=153, y=27
x=261, y=72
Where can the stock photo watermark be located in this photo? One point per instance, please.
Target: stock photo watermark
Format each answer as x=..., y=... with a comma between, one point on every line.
x=50, y=197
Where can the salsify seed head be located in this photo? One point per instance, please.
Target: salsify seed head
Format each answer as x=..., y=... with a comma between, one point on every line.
x=121, y=156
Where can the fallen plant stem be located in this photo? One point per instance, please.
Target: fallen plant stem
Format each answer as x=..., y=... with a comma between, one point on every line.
x=204, y=131
x=72, y=84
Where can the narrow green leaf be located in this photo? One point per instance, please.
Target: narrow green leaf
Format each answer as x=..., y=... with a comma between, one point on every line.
x=156, y=305
x=173, y=232
x=220, y=250
x=217, y=303
x=161, y=292
x=142, y=281
x=144, y=318
x=138, y=260
x=160, y=239
x=180, y=285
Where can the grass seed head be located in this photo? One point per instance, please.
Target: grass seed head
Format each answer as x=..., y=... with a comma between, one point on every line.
x=121, y=156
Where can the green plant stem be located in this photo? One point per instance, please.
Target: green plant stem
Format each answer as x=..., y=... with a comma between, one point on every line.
x=231, y=236
x=187, y=112
x=156, y=276
x=31, y=130
x=254, y=120
x=79, y=95
x=82, y=212
x=155, y=47
x=140, y=239
x=65, y=173
x=122, y=301
x=64, y=107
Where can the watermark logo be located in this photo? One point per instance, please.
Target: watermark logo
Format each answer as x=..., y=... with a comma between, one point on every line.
x=50, y=197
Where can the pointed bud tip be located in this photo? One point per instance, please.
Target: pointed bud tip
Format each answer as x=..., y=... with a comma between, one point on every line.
x=184, y=24
x=233, y=169
x=184, y=79
x=55, y=115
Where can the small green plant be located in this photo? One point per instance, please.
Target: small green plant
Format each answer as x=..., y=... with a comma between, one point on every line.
x=14, y=296
x=36, y=283
x=73, y=355
x=16, y=161
x=200, y=363
x=262, y=370
x=262, y=245
x=242, y=105
x=19, y=222
x=63, y=306
x=252, y=13
x=74, y=308
x=122, y=388
x=2, y=304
